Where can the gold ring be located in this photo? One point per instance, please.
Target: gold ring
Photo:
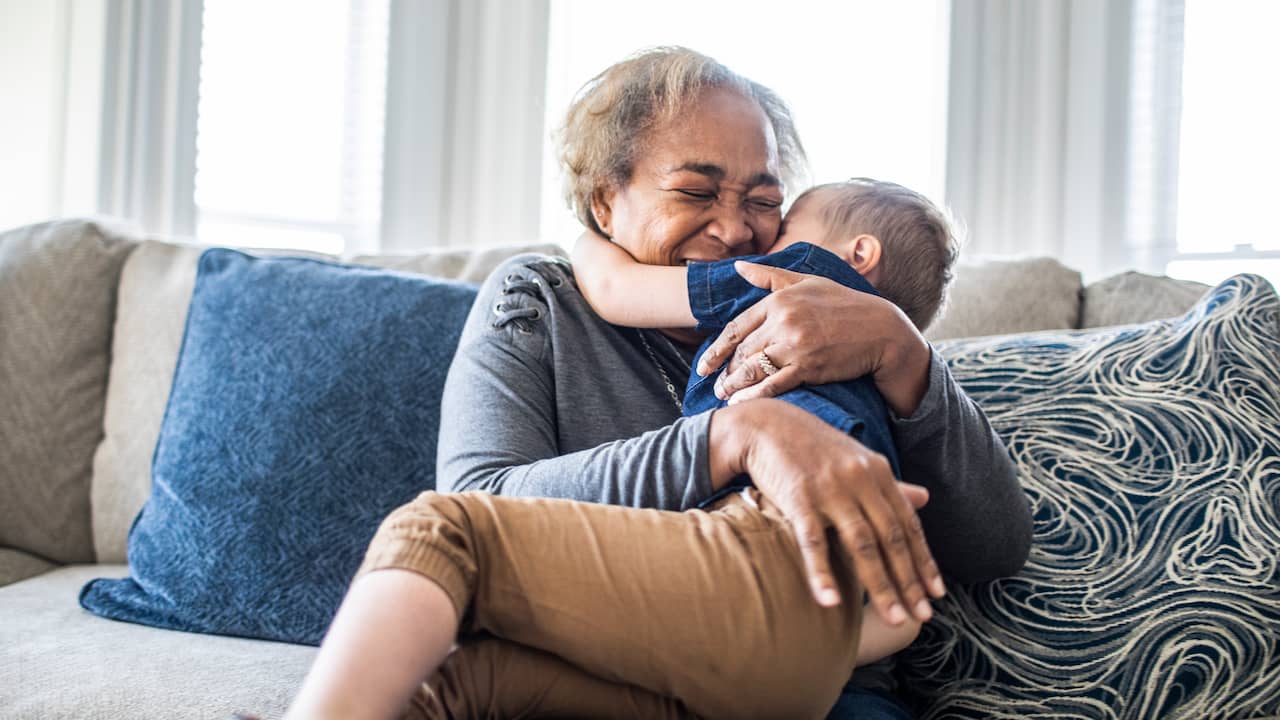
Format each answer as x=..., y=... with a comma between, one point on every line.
x=766, y=364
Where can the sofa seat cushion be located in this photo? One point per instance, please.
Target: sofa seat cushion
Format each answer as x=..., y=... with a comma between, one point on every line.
x=1151, y=457
x=62, y=662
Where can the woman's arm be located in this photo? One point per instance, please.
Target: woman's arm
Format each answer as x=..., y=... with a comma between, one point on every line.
x=520, y=419
x=978, y=520
x=629, y=293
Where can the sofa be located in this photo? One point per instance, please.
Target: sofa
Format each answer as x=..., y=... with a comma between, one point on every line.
x=92, y=317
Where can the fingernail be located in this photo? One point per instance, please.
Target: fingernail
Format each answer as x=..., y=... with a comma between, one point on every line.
x=733, y=400
x=938, y=588
x=924, y=612
x=829, y=597
x=896, y=614
x=701, y=370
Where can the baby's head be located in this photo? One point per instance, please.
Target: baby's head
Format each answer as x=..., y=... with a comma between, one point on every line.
x=895, y=237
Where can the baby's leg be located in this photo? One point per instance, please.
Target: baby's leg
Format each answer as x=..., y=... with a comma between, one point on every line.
x=488, y=677
x=879, y=639
x=710, y=608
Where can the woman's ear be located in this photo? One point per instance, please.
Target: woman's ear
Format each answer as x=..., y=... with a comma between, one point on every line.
x=602, y=210
x=863, y=253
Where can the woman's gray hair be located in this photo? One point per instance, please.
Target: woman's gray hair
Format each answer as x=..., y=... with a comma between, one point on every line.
x=605, y=129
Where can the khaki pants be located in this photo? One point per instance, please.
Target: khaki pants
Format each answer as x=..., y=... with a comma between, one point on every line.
x=573, y=609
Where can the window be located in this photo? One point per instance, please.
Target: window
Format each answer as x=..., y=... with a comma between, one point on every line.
x=865, y=80
x=290, y=124
x=1230, y=144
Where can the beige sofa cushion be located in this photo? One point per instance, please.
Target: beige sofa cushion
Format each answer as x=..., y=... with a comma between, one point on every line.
x=57, y=302
x=155, y=290
x=1004, y=296
x=467, y=265
x=1134, y=297
x=60, y=662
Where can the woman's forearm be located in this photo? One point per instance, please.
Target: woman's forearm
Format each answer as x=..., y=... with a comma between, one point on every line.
x=659, y=469
x=551, y=407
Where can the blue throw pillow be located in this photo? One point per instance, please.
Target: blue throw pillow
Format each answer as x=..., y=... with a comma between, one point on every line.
x=1151, y=456
x=305, y=407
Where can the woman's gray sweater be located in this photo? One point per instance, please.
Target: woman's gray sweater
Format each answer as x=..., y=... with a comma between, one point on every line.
x=546, y=399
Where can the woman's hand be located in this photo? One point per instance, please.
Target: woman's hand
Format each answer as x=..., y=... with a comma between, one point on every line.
x=821, y=479
x=815, y=331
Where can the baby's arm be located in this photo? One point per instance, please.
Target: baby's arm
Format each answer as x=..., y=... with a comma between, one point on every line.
x=626, y=292
x=879, y=639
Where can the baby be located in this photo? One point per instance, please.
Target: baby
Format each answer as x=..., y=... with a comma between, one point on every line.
x=869, y=235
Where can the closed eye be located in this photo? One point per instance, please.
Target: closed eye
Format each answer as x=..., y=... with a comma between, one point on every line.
x=699, y=194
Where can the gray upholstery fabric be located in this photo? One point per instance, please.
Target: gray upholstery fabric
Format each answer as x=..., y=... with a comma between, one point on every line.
x=155, y=289
x=473, y=265
x=57, y=301
x=1133, y=297
x=59, y=661
x=1002, y=296
x=16, y=565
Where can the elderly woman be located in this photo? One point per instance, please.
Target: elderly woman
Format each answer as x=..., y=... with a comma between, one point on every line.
x=586, y=609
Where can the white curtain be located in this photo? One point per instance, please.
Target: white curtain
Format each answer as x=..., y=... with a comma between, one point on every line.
x=465, y=95
x=151, y=63
x=1062, y=132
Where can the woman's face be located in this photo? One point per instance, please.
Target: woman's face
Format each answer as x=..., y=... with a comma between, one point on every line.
x=704, y=187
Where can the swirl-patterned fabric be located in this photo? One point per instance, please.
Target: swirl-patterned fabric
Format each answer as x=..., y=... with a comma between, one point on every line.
x=305, y=407
x=1151, y=456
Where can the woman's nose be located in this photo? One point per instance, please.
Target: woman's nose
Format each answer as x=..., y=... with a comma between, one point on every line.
x=730, y=227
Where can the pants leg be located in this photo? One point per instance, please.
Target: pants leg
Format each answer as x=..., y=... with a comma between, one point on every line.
x=711, y=609
x=488, y=678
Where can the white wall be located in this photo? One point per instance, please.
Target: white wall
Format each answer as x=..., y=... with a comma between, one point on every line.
x=50, y=99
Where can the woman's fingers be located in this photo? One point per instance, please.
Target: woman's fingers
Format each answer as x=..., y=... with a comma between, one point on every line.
x=822, y=478
x=905, y=499
x=767, y=277
x=772, y=386
x=764, y=277
x=894, y=531
x=811, y=534
x=723, y=347
x=915, y=495
x=860, y=542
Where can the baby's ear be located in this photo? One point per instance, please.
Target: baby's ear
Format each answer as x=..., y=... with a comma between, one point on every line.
x=863, y=253
x=602, y=210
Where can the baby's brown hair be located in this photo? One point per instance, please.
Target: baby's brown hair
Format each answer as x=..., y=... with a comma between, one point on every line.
x=918, y=240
